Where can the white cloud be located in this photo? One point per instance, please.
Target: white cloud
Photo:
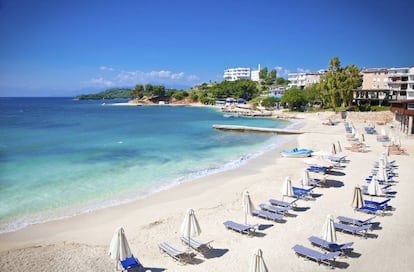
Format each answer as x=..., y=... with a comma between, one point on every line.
x=192, y=78
x=106, y=68
x=163, y=76
x=301, y=70
x=282, y=72
x=125, y=78
x=100, y=81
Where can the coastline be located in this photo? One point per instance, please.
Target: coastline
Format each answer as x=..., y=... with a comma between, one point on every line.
x=81, y=242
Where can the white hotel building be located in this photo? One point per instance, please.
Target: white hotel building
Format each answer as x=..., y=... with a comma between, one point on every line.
x=234, y=74
x=302, y=80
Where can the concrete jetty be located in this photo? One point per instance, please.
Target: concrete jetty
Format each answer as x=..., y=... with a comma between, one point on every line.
x=256, y=129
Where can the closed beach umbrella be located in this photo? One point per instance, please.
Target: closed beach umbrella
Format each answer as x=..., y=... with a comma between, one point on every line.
x=247, y=205
x=382, y=172
x=384, y=159
x=333, y=151
x=328, y=230
x=374, y=188
x=257, y=263
x=339, y=147
x=287, y=189
x=119, y=248
x=357, y=135
x=305, y=178
x=357, y=200
x=190, y=226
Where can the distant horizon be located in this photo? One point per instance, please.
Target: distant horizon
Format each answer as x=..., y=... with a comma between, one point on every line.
x=55, y=49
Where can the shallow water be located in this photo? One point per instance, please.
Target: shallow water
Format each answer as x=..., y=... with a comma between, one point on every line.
x=60, y=157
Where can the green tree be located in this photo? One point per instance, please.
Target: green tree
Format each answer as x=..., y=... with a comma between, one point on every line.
x=271, y=77
x=138, y=91
x=149, y=88
x=194, y=96
x=337, y=84
x=312, y=94
x=294, y=98
x=281, y=81
x=170, y=92
x=180, y=95
x=158, y=90
x=270, y=102
x=263, y=73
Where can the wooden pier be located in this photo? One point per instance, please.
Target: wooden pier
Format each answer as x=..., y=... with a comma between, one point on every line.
x=256, y=129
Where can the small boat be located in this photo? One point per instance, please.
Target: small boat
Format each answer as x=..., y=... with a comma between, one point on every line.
x=297, y=153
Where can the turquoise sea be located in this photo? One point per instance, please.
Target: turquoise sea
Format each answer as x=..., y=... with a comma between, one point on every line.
x=60, y=157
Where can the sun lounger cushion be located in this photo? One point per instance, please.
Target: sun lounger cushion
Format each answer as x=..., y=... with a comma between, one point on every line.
x=245, y=229
x=376, y=203
x=280, y=203
x=328, y=245
x=177, y=254
x=315, y=255
x=268, y=215
x=362, y=230
x=372, y=209
x=274, y=209
x=203, y=247
x=131, y=263
x=352, y=221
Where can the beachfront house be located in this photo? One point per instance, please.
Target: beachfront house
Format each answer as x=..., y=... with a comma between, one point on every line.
x=304, y=79
x=383, y=85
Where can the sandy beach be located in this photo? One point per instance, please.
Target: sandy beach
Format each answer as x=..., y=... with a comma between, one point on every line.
x=81, y=243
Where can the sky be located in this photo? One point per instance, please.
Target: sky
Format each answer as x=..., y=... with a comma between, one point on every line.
x=65, y=48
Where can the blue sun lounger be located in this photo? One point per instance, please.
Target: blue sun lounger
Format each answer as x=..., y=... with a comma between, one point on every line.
x=303, y=191
x=243, y=229
x=316, y=241
x=318, y=169
x=268, y=215
x=376, y=203
x=274, y=209
x=132, y=264
x=361, y=230
x=353, y=221
x=385, y=191
x=319, y=257
x=372, y=209
x=290, y=205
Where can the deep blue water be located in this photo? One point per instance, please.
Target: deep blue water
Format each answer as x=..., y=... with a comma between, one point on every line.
x=60, y=157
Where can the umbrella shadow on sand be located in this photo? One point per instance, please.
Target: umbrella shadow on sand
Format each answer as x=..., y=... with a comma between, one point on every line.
x=336, y=173
x=216, y=253
x=152, y=269
x=340, y=265
x=333, y=183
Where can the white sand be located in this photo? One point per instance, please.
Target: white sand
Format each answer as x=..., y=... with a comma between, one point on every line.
x=80, y=243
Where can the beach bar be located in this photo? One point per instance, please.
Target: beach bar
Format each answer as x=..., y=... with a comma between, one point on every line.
x=404, y=114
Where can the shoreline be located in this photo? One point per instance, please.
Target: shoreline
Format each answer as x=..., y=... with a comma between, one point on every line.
x=251, y=158
x=81, y=243
x=230, y=166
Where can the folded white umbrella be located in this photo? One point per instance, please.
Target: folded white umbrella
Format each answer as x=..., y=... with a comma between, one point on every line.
x=119, y=248
x=257, y=263
x=374, y=188
x=247, y=205
x=357, y=200
x=287, y=189
x=328, y=230
x=305, y=178
x=190, y=226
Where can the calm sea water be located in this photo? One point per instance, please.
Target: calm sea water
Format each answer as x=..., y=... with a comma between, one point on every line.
x=60, y=157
